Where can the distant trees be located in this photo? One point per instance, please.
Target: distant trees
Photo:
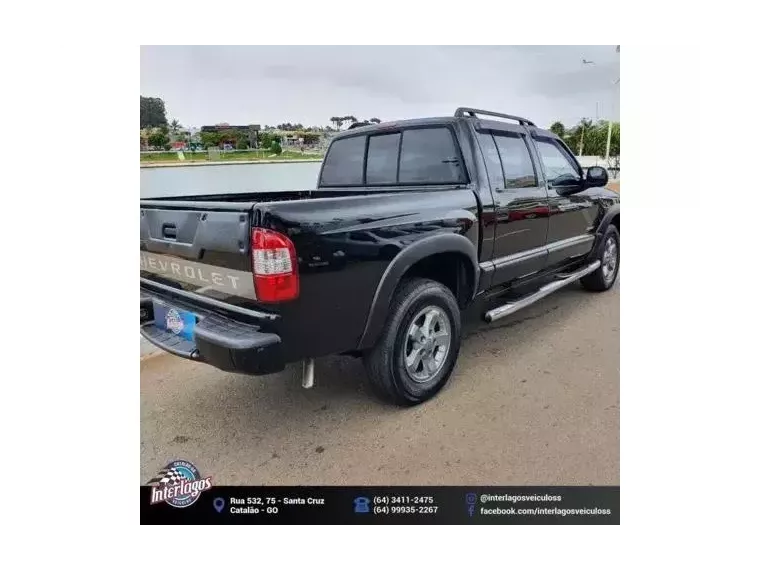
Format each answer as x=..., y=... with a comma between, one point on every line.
x=275, y=147
x=158, y=138
x=152, y=112
x=558, y=129
x=266, y=140
x=156, y=130
x=293, y=127
x=589, y=138
x=339, y=121
x=235, y=137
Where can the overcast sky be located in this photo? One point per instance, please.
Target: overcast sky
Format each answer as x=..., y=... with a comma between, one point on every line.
x=241, y=85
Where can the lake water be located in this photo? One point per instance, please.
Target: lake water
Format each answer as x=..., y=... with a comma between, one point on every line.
x=231, y=178
x=227, y=178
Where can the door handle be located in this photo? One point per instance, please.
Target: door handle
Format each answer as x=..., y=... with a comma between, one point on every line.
x=169, y=231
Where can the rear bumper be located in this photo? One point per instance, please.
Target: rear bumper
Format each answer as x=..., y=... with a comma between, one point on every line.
x=219, y=340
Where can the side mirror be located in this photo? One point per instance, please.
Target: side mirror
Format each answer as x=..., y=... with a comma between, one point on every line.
x=566, y=184
x=596, y=176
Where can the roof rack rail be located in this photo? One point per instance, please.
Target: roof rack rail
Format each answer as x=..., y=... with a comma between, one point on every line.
x=460, y=112
x=359, y=124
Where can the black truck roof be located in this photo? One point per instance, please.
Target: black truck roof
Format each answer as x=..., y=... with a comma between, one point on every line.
x=462, y=113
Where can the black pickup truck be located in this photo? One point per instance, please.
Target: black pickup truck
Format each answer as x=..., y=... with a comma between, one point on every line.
x=412, y=222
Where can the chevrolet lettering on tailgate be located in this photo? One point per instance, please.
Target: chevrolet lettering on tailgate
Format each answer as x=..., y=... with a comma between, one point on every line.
x=238, y=283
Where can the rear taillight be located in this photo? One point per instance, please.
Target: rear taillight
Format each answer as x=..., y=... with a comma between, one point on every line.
x=275, y=266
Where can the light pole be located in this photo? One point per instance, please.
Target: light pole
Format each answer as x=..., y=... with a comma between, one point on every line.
x=609, y=139
x=609, y=122
x=585, y=61
x=609, y=133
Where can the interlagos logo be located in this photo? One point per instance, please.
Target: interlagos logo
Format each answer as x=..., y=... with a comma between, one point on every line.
x=179, y=484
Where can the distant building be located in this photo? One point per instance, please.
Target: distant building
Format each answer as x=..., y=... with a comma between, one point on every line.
x=228, y=127
x=252, y=130
x=290, y=139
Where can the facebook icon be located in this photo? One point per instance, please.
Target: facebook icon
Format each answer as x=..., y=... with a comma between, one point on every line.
x=471, y=499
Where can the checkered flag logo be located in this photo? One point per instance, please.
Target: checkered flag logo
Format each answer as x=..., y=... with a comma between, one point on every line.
x=167, y=476
x=179, y=484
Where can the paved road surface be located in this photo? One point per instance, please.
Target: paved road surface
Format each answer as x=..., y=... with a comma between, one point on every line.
x=534, y=400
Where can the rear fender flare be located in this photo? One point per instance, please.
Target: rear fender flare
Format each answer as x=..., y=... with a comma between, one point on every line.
x=446, y=243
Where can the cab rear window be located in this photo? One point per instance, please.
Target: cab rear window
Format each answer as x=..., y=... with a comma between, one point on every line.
x=344, y=163
x=428, y=156
x=413, y=156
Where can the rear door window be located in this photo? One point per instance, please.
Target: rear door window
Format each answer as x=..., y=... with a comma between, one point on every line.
x=493, y=162
x=516, y=161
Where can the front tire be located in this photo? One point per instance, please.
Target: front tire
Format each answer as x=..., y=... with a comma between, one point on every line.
x=418, y=348
x=609, y=256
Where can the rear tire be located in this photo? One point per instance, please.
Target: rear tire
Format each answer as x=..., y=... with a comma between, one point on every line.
x=608, y=254
x=419, y=345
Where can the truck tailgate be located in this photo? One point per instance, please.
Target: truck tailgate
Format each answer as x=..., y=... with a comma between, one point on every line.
x=198, y=246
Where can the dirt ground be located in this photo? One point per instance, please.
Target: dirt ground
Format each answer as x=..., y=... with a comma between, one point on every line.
x=534, y=399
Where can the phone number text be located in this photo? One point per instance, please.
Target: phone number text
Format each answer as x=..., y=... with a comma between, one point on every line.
x=404, y=505
x=403, y=500
x=405, y=510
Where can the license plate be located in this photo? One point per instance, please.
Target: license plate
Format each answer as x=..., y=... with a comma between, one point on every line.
x=177, y=321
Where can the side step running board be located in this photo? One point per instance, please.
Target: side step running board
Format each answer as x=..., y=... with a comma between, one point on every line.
x=514, y=306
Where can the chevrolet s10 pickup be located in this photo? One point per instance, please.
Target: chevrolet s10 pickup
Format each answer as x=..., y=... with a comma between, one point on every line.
x=411, y=223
